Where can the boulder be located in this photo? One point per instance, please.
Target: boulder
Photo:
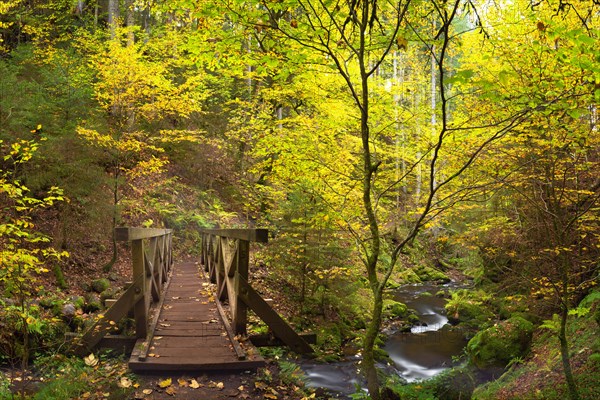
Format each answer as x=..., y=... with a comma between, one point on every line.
x=498, y=345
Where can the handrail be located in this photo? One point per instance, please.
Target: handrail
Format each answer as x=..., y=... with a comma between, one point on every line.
x=225, y=255
x=152, y=259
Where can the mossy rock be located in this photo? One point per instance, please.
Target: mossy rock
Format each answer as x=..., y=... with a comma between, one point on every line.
x=454, y=384
x=109, y=293
x=100, y=285
x=92, y=303
x=395, y=309
x=429, y=274
x=408, y=276
x=498, y=345
x=78, y=301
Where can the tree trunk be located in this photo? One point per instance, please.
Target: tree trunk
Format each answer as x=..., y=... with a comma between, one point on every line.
x=108, y=266
x=369, y=345
x=113, y=16
x=564, y=353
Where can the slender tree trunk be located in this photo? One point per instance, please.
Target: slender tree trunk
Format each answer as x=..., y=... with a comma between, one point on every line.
x=369, y=346
x=115, y=218
x=562, y=334
x=566, y=359
x=373, y=245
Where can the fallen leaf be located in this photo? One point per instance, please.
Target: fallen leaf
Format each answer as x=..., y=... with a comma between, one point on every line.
x=166, y=383
x=91, y=360
x=194, y=384
x=220, y=385
x=125, y=382
x=170, y=391
x=241, y=388
x=147, y=391
x=270, y=396
x=182, y=382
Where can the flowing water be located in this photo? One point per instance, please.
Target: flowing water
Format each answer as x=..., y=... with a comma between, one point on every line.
x=420, y=354
x=428, y=349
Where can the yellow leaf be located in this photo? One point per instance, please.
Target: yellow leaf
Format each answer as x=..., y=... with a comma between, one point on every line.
x=194, y=384
x=166, y=383
x=182, y=382
x=125, y=382
x=220, y=385
x=270, y=396
x=147, y=391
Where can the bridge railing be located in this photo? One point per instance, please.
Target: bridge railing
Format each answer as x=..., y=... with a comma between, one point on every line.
x=225, y=255
x=152, y=259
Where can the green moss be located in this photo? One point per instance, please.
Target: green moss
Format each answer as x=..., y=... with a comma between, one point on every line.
x=454, y=384
x=501, y=343
x=395, y=309
x=100, y=285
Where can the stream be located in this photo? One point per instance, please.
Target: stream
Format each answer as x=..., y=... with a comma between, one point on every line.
x=417, y=355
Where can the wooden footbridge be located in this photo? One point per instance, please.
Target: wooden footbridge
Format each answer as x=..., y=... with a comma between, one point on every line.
x=190, y=315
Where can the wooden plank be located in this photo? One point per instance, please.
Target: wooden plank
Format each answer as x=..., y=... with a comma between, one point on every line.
x=182, y=342
x=181, y=332
x=250, y=235
x=280, y=328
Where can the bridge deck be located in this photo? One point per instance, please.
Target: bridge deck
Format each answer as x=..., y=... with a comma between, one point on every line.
x=190, y=334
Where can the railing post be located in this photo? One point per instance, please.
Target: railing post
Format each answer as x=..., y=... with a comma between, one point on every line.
x=140, y=309
x=240, y=318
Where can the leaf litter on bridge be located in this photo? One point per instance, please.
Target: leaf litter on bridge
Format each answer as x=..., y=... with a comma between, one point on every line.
x=247, y=385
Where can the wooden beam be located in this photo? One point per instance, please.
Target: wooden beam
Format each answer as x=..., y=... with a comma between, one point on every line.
x=250, y=235
x=127, y=234
x=99, y=329
x=239, y=311
x=143, y=351
x=280, y=328
x=240, y=353
x=140, y=310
